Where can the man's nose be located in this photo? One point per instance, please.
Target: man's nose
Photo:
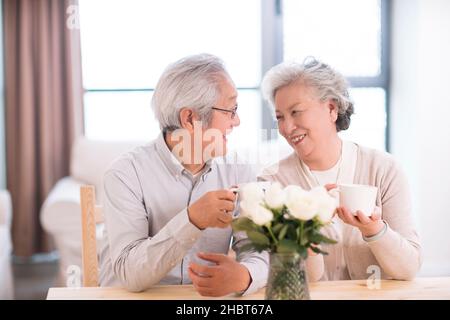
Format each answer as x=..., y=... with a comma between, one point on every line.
x=236, y=120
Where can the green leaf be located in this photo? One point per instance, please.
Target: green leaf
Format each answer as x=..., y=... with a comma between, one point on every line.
x=275, y=212
x=243, y=224
x=317, y=250
x=303, y=239
x=277, y=227
x=328, y=240
x=247, y=247
x=319, y=238
x=315, y=237
x=287, y=246
x=292, y=231
x=303, y=251
x=283, y=232
x=258, y=238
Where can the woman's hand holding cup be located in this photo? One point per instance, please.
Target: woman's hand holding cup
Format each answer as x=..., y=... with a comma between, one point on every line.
x=354, y=196
x=368, y=225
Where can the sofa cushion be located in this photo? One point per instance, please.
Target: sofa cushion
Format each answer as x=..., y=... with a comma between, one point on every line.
x=5, y=208
x=6, y=284
x=91, y=158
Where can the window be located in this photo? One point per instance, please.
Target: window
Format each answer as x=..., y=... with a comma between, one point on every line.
x=348, y=35
x=127, y=44
x=327, y=29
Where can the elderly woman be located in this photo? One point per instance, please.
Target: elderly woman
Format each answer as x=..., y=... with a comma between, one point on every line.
x=312, y=105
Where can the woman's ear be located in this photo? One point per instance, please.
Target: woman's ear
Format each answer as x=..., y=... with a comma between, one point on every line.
x=187, y=119
x=332, y=106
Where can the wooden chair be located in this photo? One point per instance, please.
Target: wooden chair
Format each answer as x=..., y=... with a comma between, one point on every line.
x=91, y=215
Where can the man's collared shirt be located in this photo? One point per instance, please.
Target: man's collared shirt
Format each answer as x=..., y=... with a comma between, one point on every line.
x=149, y=238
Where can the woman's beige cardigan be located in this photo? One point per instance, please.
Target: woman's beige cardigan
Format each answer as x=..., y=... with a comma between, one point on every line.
x=397, y=252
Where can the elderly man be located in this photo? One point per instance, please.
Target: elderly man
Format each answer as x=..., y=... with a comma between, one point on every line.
x=168, y=205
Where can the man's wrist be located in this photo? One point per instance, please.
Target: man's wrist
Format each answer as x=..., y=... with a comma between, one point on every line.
x=189, y=214
x=246, y=280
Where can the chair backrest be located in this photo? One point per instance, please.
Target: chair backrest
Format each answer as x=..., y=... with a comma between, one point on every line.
x=90, y=216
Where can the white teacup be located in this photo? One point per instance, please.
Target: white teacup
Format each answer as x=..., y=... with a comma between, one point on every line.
x=238, y=189
x=358, y=197
x=238, y=192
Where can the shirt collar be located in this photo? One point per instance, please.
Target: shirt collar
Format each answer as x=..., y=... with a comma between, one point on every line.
x=172, y=163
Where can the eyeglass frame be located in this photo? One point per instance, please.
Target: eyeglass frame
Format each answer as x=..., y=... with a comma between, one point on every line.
x=233, y=111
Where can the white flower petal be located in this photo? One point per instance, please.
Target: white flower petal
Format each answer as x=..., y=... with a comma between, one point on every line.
x=252, y=192
x=262, y=216
x=326, y=203
x=327, y=206
x=255, y=212
x=248, y=207
x=301, y=204
x=275, y=196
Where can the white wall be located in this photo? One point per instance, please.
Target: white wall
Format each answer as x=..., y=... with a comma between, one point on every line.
x=420, y=127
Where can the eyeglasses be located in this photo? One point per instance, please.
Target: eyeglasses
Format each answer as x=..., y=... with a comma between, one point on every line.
x=233, y=111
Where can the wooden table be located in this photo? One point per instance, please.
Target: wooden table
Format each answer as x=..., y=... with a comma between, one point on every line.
x=420, y=288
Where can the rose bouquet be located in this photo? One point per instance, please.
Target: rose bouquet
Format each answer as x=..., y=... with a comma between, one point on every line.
x=285, y=222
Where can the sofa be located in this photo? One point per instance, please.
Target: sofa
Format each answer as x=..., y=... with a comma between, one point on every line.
x=61, y=213
x=6, y=278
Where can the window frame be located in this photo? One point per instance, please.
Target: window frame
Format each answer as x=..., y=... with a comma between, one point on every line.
x=272, y=54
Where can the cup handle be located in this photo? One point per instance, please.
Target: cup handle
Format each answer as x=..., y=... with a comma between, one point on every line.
x=235, y=190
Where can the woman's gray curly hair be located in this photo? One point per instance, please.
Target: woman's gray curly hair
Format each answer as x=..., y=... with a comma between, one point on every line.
x=329, y=84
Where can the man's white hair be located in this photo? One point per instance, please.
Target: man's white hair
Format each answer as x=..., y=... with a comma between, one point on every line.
x=191, y=82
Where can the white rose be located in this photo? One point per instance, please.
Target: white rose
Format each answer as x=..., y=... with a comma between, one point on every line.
x=255, y=212
x=262, y=216
x=252, y=192
x=319, y=191
x=301, y=204
x=275, y=196
x=247, y=207
x=293, y=189
x=326, y=204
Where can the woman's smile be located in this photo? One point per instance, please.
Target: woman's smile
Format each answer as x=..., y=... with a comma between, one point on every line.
x=297, y=139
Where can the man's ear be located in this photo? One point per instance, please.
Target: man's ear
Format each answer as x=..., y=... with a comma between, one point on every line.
x=187, y=119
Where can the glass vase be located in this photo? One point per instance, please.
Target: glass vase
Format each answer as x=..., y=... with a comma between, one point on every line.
x=287, y=277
